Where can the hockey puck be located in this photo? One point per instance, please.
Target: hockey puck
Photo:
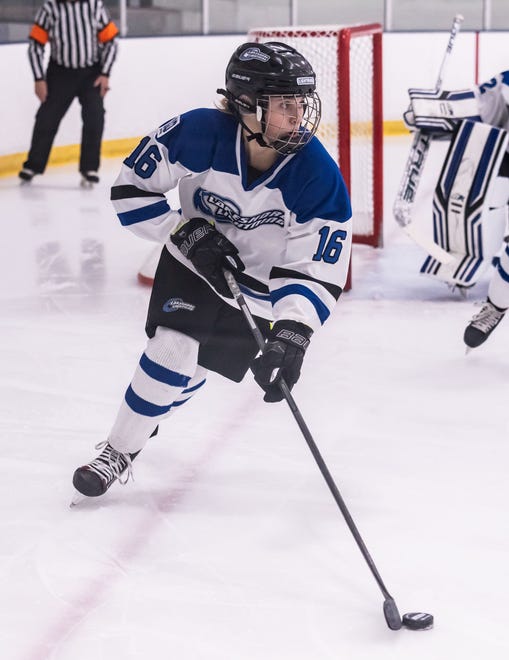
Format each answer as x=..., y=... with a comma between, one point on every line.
x=418, y=621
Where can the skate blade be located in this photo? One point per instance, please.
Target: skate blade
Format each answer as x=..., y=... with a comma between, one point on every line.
x=78, y=497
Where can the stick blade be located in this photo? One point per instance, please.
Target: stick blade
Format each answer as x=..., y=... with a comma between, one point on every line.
x=391, y=614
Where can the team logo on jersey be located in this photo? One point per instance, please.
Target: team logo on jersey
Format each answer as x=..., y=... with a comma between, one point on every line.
x=254, y=53
x=223, y=209
x=166, y=128
x=175, y=304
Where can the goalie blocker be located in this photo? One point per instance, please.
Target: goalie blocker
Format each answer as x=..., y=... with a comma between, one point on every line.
x=469, y=204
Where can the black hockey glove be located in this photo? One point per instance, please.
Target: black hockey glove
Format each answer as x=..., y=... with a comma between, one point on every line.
x=281, y=357
x=209, y=252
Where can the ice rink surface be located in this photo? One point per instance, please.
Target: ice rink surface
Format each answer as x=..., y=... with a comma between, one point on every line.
x=228, y=544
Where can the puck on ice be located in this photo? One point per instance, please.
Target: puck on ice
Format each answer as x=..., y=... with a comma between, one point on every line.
x=418, y=621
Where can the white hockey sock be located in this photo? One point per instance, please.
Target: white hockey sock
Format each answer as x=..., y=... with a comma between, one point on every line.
x=195, y=384
x=165, y=371
x=498, y=291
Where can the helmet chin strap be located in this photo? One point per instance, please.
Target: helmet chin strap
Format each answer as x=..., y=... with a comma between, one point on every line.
x=235, y=104
x=255, y=136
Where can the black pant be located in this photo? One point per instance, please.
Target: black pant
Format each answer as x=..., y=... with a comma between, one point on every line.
x=63, y=86
x=183, y=301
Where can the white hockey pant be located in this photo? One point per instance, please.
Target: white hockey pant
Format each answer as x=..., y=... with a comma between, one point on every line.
x=166, y=377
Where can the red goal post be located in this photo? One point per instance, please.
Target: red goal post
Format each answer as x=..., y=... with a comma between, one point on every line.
x=348, y=64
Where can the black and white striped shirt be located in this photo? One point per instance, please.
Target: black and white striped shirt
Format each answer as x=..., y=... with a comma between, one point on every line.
x=80, y=32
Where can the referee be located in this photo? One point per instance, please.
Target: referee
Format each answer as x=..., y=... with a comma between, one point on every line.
x=83, y=47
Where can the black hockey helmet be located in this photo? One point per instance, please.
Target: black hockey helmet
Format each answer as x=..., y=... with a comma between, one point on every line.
x=257, y=72
x=268, y=68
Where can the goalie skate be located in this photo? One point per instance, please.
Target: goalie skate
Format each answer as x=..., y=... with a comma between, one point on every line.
x=482, y=325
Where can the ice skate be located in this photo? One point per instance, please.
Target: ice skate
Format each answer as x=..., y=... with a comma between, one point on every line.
x=461, y=289
x=89, y=179
x=94, y=478
x=26, y=175
x=482, y=325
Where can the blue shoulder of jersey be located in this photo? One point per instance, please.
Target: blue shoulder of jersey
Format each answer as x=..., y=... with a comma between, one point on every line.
x=493, y=82
x=202, y=139
x=312, y=185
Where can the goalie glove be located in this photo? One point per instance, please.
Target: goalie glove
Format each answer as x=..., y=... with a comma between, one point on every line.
x=282, y=357
x=209, y=252
x=439, y=112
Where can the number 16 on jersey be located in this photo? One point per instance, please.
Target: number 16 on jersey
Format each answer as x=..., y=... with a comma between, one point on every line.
x=330, y=245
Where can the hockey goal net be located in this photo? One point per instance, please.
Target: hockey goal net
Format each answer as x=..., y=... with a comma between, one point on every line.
x=348, y=64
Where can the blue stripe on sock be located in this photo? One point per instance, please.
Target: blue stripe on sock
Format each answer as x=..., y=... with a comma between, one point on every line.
x=143, y=407
x=176, y=404
x=162, y=374
x=193, y=389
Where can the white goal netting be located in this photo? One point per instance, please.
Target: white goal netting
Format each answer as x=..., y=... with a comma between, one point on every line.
x=347, y=63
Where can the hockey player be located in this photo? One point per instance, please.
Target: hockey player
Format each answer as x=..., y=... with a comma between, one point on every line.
x=259, y=196
x=470, y=203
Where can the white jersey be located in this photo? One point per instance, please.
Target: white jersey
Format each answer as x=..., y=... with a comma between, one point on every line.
x=494, y=101
x=291, y=225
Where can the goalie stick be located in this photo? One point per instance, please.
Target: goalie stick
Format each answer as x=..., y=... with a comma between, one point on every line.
x=413, y=621
x=405, y=197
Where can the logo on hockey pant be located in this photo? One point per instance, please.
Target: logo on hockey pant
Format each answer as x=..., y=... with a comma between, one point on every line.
x=225, y=210
x=176, y=304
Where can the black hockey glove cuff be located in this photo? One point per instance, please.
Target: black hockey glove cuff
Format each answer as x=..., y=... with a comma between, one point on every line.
x=209, y=252
x=282, y=357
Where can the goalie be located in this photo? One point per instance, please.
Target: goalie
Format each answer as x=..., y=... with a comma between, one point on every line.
x=471, y=196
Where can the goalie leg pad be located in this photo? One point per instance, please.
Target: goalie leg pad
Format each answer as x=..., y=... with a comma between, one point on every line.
x=464, y=223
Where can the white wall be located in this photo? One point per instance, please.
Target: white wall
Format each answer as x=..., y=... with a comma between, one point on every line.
x=414, y=60
x=152, y=80
x=156, y=78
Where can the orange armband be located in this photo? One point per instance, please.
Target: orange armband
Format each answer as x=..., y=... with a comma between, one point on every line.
x=108, y=33
x=39, y=34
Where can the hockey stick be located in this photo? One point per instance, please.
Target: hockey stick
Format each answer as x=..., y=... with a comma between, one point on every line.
x=390, y=609
x=407, y=191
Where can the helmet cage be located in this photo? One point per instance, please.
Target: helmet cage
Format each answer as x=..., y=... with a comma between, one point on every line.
x=258, y=72
x=288, y=121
